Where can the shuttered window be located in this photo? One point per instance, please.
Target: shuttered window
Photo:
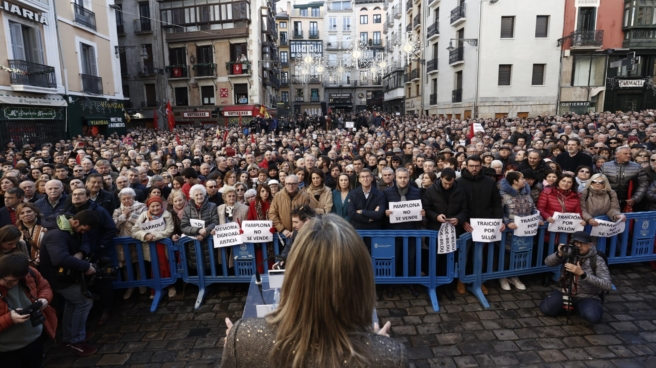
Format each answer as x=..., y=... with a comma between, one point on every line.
x=504, y=75
x=541, y=25
x=507, y=27
x=538, y=74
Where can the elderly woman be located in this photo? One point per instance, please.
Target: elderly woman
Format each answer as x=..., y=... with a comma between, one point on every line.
x=241, y=189
x=177, y=206
x=206, y=218
x=599, y=199
x=29, y=223
x=232, y=210
x=249, y=197
x=160, y=226
x=125, y=217
x=275, y=187
x=321, y=197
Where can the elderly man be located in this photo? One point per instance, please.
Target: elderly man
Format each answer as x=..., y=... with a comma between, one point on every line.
x=30, y=191
x=283, y=202
x=213, y=194
x=387, y=179
x=621, y=172
x=535, y=163
x=55, y=200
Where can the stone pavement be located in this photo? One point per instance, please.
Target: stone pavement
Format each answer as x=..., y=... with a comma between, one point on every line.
x=511, y=333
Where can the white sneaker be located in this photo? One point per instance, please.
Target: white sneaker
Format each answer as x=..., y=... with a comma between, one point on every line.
x=128, y=293
x=172, y=292
x=516, y=283
x=504, y=283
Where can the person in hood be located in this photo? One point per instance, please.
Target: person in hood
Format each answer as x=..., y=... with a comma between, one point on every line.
x=590, y=280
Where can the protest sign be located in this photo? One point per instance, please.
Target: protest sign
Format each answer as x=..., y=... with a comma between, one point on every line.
x=566, y=223
x=486, y=230
x=227, y=235
x=405, y=211
x=606, y=229
x=446, y=239
x=154, y=225
x=197, y=223
x=349, y=124
x=257, y=231
x=527, y=226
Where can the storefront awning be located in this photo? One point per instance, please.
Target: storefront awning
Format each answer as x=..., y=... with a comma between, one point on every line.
x=30, y=99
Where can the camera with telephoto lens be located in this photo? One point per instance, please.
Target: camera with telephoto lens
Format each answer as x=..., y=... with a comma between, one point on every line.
x=105, y=270
x=570, y=250
x=36, y=317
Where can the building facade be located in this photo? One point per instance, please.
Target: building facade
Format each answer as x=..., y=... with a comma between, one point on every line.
x=284, y=106
x=393, y=80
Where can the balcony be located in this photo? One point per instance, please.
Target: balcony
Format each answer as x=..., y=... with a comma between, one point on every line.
x=386, y=25
x=414, y=75
x=432, y=2
x=457, y=56
x=205, y=70
x=120, y=29
x=314, y=80
x=284, y=63
x=313, y=34
x=85, y=17
x=431, y=66
x=143, y=26
x=297, y=34
x=91, y=84
x=587, y=39
x=458, y=14
x=406, y=78
x=238, y=68
x=36, y=75
x=315, y=99
x=147, y=70
x=284, y=43
x=385, y=4
x=456, y=95
x=284, y=82
x=433, y=31
x=396, y=12
x=177, y=71
x=408, y=6
x=408, y=28
x=433, y=99
x=299, y=99
x=417, y=21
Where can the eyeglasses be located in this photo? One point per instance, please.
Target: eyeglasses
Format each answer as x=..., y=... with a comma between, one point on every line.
x=77, y=170
x=238, y=189
x=597, y=181
x=214, y=186
x=584, y=171
x=291, y=184
x=652, y=159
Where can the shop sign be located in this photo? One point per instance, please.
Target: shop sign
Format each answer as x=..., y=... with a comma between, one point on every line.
x=195, y=114
x=116, y=123
x=580, y=3
x=12, y=112
x=91, y=122
x=24, y=13
x=238, y=113
x=631, y=83
x=575, y=104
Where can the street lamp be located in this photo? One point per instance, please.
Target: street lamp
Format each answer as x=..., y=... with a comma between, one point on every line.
x=471, y=41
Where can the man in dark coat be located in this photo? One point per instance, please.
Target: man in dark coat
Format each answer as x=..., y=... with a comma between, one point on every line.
x=100, y=196
x=536, y=164
x=366, y=204
x=574, y=157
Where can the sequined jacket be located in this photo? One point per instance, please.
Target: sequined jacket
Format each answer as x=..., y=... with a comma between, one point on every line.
x=250, y=341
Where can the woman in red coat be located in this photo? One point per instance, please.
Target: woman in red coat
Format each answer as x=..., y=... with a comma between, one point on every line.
x=258, y=210
x=563, y=198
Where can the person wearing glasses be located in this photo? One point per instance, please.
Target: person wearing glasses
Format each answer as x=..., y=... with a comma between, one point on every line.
x=599, y=199
x=583, y=174
x=283, y=202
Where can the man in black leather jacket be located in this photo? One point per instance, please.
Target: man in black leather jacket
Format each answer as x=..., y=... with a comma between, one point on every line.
x=621, y=172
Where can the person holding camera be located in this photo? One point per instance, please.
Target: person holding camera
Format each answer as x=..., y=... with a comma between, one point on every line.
x=584, y=279
x=63, y=249
x=24, y=312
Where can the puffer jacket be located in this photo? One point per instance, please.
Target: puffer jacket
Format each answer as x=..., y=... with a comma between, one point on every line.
x=593, y=284
x=548, y=203
x=651, y=195
x=619, y=176
x=434, y=204
x=516, y=203
x=599, y=202
x=206, y=212
x=281, y=208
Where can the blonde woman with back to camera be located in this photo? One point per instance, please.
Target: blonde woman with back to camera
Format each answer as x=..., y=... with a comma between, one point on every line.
x=324, y=318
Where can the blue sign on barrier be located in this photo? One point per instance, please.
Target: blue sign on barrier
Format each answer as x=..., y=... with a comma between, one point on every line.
x=383, y=257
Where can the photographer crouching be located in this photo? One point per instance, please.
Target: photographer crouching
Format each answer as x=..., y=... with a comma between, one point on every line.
x=24, y=312
x=584, y=278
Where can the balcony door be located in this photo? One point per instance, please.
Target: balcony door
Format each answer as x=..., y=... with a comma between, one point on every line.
x=88, y=58
x=26, y=43
x=458, y=81
x=144, y=17
x=587, y=19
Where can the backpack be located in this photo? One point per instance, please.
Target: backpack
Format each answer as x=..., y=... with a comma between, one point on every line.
x=593, y=266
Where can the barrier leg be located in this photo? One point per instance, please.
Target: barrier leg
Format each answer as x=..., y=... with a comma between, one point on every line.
x=156, y=277
x=475, y=288
x=201, y=274
x=432, y=294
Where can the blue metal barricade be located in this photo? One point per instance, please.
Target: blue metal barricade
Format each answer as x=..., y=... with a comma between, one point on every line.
x=135, y=273
x=213, y=265
x=384, y=260
x=635, y=244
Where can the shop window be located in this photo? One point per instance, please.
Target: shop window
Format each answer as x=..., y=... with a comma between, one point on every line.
x=589, y=70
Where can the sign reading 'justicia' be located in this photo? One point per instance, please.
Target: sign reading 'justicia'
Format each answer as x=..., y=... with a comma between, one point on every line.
x=24, y=13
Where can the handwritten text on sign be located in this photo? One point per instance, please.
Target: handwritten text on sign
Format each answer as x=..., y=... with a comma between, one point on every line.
x=446, y=239
x=606, y=229
x=197, y=223
x=257, y=231
x=227, y=235
x=527, y=226
x=566, y=223
x=154, y=225
x=486, y=230
x=405, y=211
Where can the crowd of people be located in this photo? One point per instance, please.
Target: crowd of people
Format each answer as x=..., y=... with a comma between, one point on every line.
x=63, y=203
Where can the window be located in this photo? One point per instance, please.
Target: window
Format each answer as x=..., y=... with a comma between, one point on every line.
x=340, y=5
x=126, y=92
x=284, y=57
x=507, y=27
x=377, y=40
x=282, y=25
x=587, y=19
x=144, y=17
x=589, y=71
x=303, y=12
x=26, y=43
x=284, y=96
x=207, y=92
x=123, y=62
x=541, y=26
x=364, y=37
x=181, y=97
x=538, y=74
x=332, y=23
x=364, y=19
x=314, y=29
x=332, y=59
x=377, y=18
x=151, y=94
x=237, y=50
x=241, y=94
x=298, y=29
x=504, y=74
x=204, y=55
x=283, y=37
x=178, y=56
x=315, y=12
x=314, y=95
x=346, y=23
x=88, y=58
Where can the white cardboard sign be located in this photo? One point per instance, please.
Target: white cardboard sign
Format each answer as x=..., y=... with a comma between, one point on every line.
x=446, y=239
x=407, y=211
x=527, y=225
x=606, y=229
x=197, y=223
x=566, y=223
x=153, y=225
x=227, y=235
x=257, y=231
x=486, y=230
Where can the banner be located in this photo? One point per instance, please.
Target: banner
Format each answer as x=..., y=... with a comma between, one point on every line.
x=486, y=230
x=606, y=229
x=446, y=239
x=257, y=231
x=407, y=211
x=227, y=235
x=153, y=225
x=566, y=223
x=197, y=223
x=527, y=226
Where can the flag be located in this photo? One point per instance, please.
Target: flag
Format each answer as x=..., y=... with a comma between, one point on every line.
x=169, y=116
x=471, y=131
x=218, y=134
x=252, y=138
x=240, y=128
x=177, y=139
x=155, y=125
x=264, y=112
x=225, y=135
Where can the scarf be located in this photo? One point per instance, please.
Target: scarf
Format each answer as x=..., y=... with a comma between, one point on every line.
x=258, y=210
x=403, y=192
x=562, y=195
x=315, y=191
x=180, y=212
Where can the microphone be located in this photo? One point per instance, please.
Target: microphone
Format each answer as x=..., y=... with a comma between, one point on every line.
x=258, y=280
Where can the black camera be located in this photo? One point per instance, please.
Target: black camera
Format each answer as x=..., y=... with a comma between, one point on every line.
x=570, y=250
x=36, y=317
x=105, y=270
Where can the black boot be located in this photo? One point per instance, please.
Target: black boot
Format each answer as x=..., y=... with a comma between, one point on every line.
x=413, y=291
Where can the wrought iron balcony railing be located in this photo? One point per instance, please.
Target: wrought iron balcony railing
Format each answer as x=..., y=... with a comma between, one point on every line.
x=456, y=55
x=92, y=84
x=178, y=71
x=433, y=99
x=34, y=74
x=587, y=38
x=458, y=13
x=143, y=26
x=297, y=34
x=417, y=20
x=431, y=65
x=146, y=70
x=433, y=30
x=205, y=69
x=84, y=16
x=456, y=95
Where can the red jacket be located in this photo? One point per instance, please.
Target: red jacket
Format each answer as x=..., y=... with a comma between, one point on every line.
x=252, y=211
x=548, y=203
x=39, y=288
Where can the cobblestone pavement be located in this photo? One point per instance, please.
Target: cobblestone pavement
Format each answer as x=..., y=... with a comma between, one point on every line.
x=463, y=334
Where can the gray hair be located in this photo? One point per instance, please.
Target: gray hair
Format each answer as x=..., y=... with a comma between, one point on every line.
x=156, y=178
x=250, y=193
x=618, y=149
x=401, y=170
x=196, y=188
x=387, y=168
x=496, y=162
x=127, y=192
